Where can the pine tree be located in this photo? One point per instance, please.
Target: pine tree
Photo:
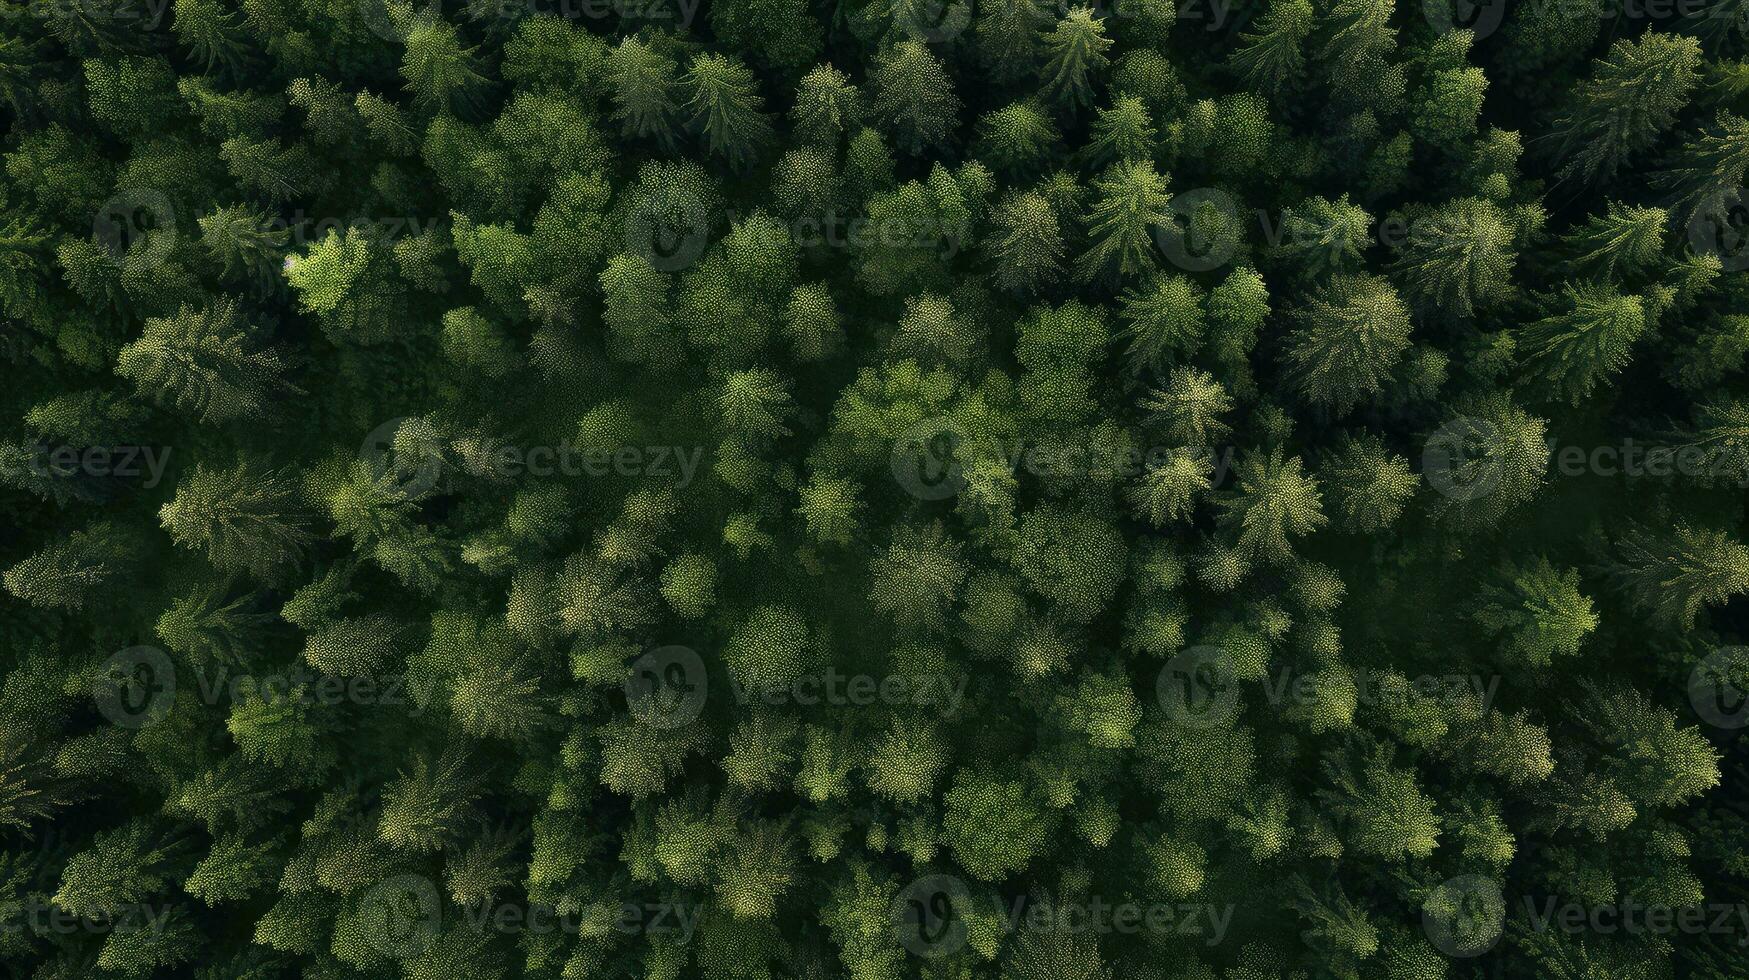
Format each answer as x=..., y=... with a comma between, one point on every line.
x=1538, y=612
x=202, y=362
x=1027, y=249
x=827, y=107
x=915, y=97
x=645, y=85
x=1349, y=338
x=1459, y=258
x=1273, y=58
x=1132, y=204
x=1631, y=98
x=1590, y=340
x=1275, y=500
x=726, y=109
x=1075, y=50
x=1708, y=173
x=1670, y=577
x=439, y=71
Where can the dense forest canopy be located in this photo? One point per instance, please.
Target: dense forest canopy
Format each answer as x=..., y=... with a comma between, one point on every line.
x=942, y=489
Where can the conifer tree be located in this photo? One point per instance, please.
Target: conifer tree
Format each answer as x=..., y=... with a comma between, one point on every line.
x=203, y=362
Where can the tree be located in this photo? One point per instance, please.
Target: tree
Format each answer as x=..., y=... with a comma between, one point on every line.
x=1076, y=559
x=914, y=97
x=1622, y=240
x=1325, y=237
x=67, y=573
x=753, y=404
x=1707, y=176
x=827, y=107
x=1671, y=576
x=917, y=578
x=1538, y=612
x=1273, y=57
x=1132, y=204
x=1165, y=321
x=1074, y=51
x=1631, y=98
x=1349, y=337
x=1187, y=408
x=726, y=109
x=1275, y=501
x=991, y=825
x=1124, y=131
x=1018, y=139
x=645, y=84
x=1459, y=258
x=1027, y=249
x=1369, y=485
x=439, y=71
x=203, y=362
x=1008, y=34
x=1591, y=339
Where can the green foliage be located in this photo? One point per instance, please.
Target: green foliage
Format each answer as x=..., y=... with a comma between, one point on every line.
x=776, y=489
